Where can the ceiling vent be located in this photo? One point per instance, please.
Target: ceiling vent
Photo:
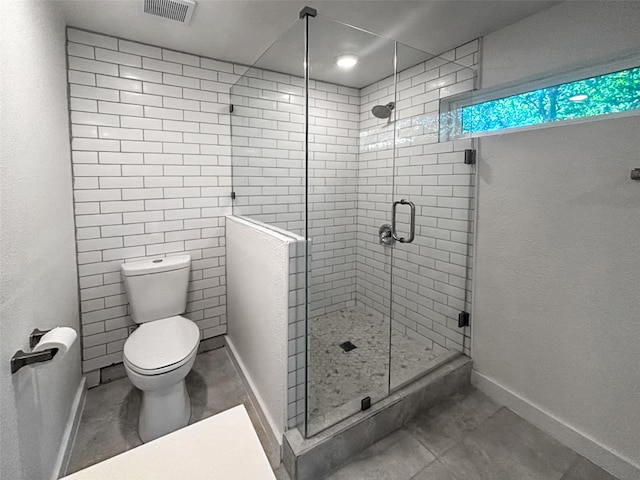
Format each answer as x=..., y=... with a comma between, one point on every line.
x=178, y=10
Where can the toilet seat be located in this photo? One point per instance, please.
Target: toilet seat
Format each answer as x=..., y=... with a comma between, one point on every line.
x=161, y=346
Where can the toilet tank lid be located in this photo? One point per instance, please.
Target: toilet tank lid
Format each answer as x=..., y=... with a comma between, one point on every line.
x=156, y=265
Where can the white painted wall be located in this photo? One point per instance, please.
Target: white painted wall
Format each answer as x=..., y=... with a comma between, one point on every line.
x=257, y=309
x=555, y=321
x=558, y=277
x=569, y=34
x=38, y=280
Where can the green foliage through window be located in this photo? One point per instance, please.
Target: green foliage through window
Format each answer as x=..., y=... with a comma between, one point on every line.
x=611, y=93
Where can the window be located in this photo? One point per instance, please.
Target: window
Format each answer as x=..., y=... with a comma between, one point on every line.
x=597, y=95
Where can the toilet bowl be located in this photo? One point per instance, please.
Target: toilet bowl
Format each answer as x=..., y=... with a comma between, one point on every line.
x=157, y=358
x=159, y=354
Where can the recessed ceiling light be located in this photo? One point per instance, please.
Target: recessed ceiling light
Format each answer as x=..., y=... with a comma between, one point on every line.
x=578, y=98
x=346, y=61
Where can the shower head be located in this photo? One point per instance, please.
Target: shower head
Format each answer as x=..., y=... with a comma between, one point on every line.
x=383, y=111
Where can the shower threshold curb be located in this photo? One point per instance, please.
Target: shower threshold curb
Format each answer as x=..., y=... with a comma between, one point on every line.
x=314, y=458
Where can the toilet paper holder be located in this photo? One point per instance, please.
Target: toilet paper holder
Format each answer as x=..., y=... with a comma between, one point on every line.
x=36, y=336
x=22, y=359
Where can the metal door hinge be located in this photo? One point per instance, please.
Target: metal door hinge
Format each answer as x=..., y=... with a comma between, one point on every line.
x=233, y=195
x=469, y=157
x=464, y=319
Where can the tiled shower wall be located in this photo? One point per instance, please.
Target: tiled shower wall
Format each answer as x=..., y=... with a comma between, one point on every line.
x=152, y=176
x=268, y=172
x=431, y=275
x=430, y=282
x=297, y=335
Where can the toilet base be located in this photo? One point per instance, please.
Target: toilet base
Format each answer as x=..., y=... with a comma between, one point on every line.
x=164, y=411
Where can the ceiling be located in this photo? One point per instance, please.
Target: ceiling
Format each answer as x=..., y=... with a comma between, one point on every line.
x=240, y=31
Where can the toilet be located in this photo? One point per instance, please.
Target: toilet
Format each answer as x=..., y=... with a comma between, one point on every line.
x=159, y=354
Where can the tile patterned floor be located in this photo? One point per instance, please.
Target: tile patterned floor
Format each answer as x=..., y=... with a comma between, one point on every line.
x=338, y=378
x=109, y=424
x=469, y=437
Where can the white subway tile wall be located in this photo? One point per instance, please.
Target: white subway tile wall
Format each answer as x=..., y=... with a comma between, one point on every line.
x=152, y=178
x=431, y=276
x=296, y=351
x=268, y=172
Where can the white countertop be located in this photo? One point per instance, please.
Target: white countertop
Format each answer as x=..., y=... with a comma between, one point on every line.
x=224, y=447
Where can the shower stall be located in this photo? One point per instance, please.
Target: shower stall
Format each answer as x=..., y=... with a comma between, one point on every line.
x=356, y=161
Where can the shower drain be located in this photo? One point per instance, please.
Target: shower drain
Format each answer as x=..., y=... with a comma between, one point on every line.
x=347, y=346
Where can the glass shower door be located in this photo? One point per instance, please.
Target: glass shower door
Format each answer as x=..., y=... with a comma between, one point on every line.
x=432, y=211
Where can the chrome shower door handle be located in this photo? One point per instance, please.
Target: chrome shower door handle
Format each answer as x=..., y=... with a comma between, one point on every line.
x=412, y=231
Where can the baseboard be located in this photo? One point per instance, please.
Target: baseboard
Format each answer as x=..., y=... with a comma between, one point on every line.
x=586, y=446
x=267, y=422
x=69, y=435
x=211, y=343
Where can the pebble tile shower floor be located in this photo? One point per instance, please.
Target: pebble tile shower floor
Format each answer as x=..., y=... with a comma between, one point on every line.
x=340, y=377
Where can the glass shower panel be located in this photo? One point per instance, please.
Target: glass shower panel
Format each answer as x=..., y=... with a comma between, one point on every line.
x=433, y=202
x=349, y=275
x=267, y=127
x=267, y=132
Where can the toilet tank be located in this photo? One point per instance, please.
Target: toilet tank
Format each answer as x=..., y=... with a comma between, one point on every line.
x=157, y=288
